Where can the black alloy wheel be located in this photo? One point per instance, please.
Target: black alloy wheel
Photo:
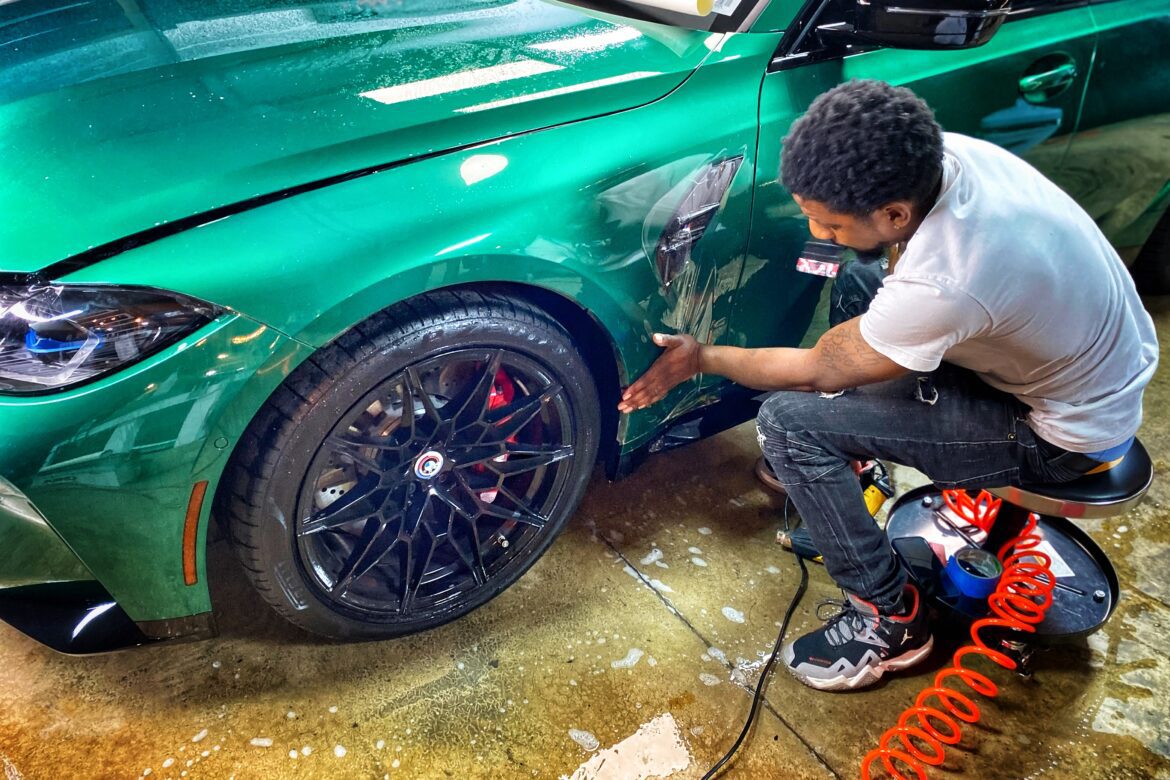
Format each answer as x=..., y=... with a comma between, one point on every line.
x=429, y=475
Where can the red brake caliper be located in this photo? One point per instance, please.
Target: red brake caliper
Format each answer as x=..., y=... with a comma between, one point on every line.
x=503, y=391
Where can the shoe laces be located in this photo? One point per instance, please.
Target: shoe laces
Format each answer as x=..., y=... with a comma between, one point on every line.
x=845, y=622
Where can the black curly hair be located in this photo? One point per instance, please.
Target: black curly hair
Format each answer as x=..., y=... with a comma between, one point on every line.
x=861, y=145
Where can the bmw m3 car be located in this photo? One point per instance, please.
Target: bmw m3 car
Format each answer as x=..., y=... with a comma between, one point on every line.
x=361, y=281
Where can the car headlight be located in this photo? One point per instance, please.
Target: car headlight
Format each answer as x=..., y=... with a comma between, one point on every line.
x=58, y=336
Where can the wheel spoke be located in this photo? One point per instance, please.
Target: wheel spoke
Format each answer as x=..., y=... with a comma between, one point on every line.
x=416, y=507
x=462, y=457
x=412, y=567
x=354, y=505
x=467, y=546
x=412, y=392
x=452, y=500
x=406, y=419
x=520, y=502
x=526, y=457
x=472, y=405
x=376, y=540
x=352, y=447
x=509, y=420
x=522, y=513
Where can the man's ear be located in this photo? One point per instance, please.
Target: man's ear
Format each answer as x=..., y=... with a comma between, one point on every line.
x=895, y=215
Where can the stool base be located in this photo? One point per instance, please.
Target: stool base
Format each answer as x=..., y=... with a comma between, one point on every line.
x=1087, y=589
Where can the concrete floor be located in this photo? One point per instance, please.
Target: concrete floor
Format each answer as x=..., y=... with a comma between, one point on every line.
x=604, y=642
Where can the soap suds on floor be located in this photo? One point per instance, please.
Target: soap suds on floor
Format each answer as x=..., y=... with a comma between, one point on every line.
x=656, y=749
x=585, y=739
x=658, y=585
x=630, y=660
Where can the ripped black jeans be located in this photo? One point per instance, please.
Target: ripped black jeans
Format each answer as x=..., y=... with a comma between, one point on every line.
x=970, y=436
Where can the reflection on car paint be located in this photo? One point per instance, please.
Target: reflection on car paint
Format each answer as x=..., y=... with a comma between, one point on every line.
x=1022, y=126
x=566, y=90
x=459, y=82
x=478, y=167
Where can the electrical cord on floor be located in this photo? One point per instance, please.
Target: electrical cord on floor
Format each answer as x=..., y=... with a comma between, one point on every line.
x=758, y=696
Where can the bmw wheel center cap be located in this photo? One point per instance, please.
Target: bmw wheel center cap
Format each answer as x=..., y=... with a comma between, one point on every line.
x=428, y=465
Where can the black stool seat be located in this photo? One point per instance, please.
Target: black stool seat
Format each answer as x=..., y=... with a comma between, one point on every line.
x=1106, y=494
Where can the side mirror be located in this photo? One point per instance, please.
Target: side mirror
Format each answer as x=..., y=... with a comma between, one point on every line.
x=925, y=24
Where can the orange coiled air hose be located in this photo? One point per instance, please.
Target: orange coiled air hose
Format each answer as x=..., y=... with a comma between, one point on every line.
x=1021, y=598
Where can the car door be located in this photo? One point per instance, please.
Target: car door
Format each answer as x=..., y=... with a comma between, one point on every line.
x=1021, y=90
x=1118, y=166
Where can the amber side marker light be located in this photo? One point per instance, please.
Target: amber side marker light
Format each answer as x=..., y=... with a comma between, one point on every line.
x=191, y=532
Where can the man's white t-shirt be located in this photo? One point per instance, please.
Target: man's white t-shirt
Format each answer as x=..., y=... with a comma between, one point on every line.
x=1009, y=277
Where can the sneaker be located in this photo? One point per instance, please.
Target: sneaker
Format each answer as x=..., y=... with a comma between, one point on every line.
x=857, y=645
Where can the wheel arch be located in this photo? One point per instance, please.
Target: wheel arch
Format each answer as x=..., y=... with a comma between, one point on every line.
x=609, y=330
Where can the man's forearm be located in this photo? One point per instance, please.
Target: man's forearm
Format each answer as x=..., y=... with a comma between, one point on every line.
x=840, y=359
x=776, y=368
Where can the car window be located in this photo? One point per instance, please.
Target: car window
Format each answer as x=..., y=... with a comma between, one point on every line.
x=725, y=16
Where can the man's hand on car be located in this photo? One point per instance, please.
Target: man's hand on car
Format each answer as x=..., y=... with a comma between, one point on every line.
x=676, y=365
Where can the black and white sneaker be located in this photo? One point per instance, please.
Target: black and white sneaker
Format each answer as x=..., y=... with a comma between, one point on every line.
x=857, y=645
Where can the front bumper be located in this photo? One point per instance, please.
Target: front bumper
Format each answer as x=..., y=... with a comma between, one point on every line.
x=47, y=593
x=95, y=485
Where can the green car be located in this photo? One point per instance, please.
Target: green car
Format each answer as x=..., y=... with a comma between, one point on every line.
x=361, y=281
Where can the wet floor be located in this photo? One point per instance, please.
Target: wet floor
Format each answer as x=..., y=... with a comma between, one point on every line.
x=628, y=651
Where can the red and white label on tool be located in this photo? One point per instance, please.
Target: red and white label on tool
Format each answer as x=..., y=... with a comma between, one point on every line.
x=807, y=265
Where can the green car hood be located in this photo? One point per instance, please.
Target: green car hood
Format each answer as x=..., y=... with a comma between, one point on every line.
x=112, y=125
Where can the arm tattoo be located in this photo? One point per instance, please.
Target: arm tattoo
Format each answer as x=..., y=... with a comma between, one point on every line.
x=843, y=349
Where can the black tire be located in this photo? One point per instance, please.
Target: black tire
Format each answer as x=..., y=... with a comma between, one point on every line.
x=1151, y=269
x=337, y=491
